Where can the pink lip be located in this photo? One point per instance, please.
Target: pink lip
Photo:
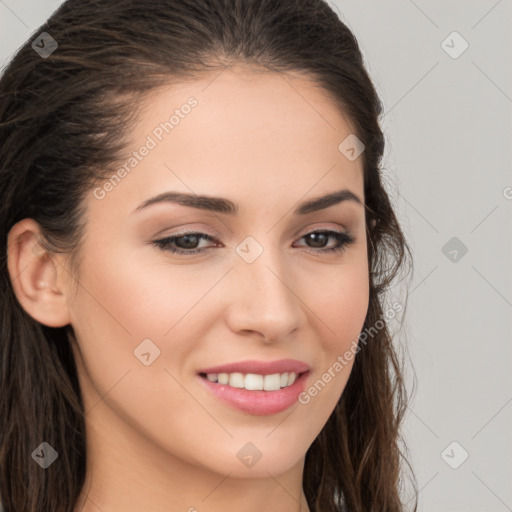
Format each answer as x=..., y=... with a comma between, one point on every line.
x=260, y=367
x=257, y=402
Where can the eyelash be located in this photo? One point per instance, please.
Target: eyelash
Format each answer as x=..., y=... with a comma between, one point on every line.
x=343, y=239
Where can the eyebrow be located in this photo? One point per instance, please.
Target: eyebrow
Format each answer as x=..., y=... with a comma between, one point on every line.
x=222, y=205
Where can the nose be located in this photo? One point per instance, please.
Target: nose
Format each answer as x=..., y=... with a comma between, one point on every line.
x=263, y=299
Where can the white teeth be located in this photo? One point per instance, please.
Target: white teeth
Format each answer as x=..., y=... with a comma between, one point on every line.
x=272, y=382
x=253, y=381
x=222, y=379
x=236, y=380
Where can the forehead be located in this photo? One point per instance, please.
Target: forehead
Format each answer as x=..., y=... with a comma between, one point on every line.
x=240, y=133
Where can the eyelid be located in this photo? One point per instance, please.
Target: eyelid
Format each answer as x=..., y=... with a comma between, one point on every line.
x=187, y=229
x=321, y=226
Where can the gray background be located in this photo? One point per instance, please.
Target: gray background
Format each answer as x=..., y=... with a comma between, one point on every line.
x=447, y=165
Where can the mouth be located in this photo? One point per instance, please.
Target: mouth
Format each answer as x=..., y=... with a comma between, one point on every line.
x=253, y=381
x=257, y=388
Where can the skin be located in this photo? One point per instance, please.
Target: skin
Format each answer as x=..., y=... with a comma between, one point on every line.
x=157, y=440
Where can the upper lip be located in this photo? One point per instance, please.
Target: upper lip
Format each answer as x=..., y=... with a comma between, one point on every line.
x=259, y=367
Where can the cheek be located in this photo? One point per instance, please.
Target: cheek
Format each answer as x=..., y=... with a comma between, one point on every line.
x=123, y=303
x=134, y=297
x=343, y=303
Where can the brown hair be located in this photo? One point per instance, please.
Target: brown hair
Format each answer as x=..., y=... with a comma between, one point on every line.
x=63, y=122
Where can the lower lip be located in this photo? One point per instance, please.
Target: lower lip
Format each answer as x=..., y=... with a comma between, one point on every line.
x=260, y=403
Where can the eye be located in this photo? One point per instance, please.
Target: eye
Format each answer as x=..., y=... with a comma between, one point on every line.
x=320, y=236
x=186, y=243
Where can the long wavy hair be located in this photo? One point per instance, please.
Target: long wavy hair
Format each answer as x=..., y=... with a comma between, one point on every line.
x=63, y=126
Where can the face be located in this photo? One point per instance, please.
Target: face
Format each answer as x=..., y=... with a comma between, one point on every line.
x=167, y=343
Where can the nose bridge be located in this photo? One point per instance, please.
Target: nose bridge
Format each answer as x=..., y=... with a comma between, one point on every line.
x=265, y=300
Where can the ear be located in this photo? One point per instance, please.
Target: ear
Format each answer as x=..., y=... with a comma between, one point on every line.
x=38, y=278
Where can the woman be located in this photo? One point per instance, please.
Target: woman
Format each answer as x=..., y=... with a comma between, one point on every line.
x=197, y=242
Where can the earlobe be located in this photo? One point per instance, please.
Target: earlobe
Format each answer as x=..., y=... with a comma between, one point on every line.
x=35, y=275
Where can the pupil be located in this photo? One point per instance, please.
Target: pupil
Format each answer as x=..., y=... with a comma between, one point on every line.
x=315, y=237
x=189, y=241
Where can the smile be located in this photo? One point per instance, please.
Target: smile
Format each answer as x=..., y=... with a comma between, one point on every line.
x=253, y=381
x=256, y=387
